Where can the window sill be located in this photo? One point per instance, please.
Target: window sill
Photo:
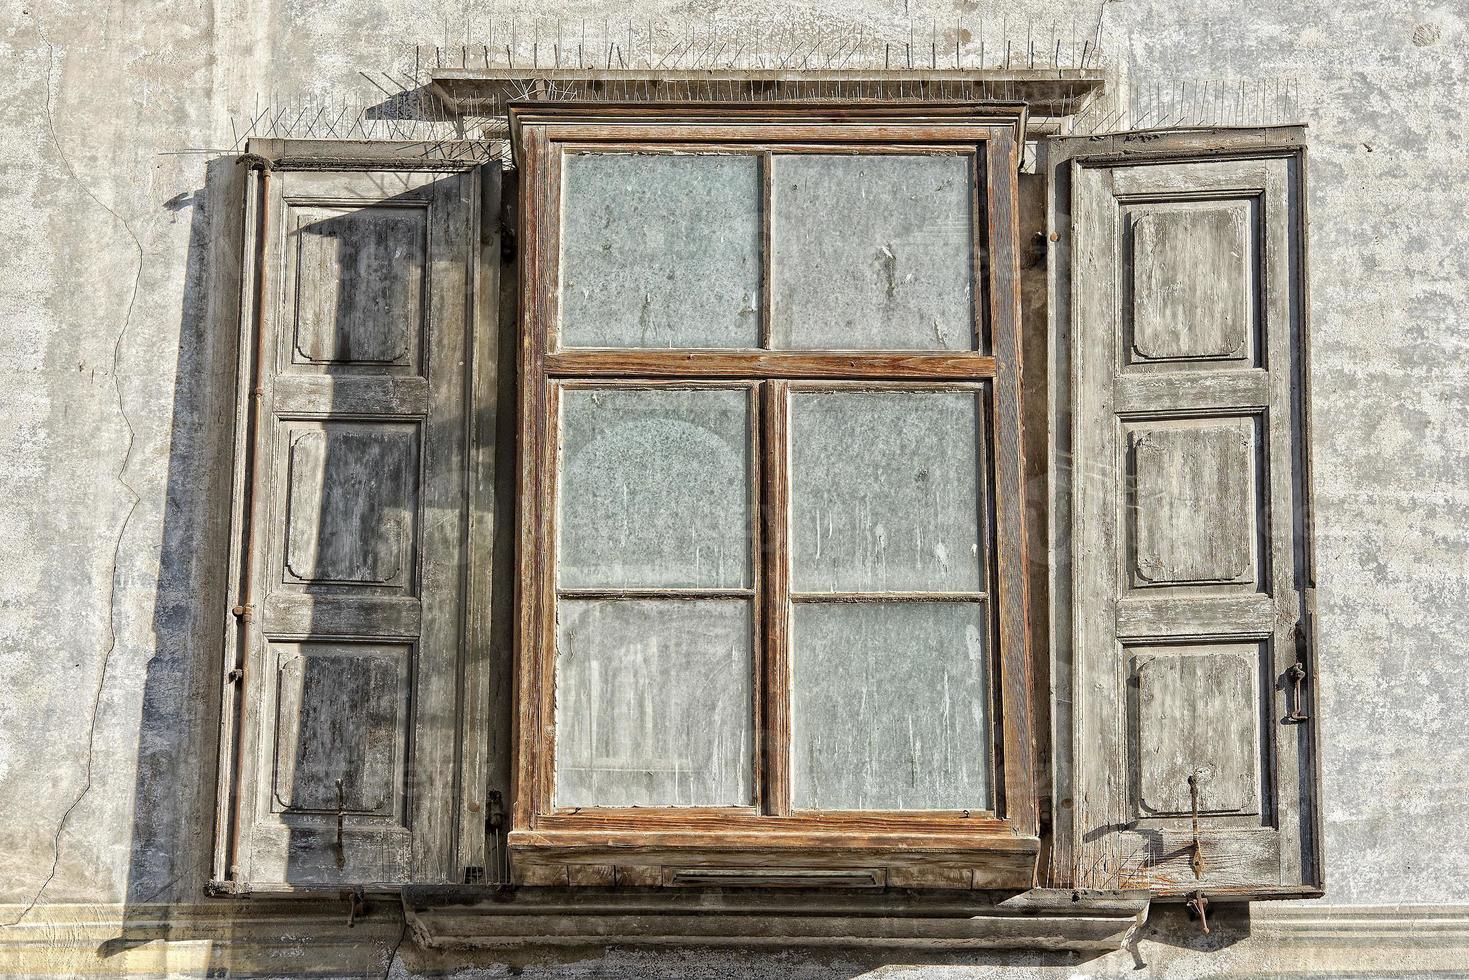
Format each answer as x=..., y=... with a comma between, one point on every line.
x=872, y=860
x=449, y=917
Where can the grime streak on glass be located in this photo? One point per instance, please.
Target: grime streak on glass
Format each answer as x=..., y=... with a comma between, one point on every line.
x=886, y=493
x=655, y=488
x=872, y=252
x=661, y=250
x=654, y=702
x=890, y=706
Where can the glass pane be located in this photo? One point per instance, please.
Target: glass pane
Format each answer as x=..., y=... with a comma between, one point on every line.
x=872, y=252
x=885, y=491
x=890, y=710
x=654, y=703
x=659, y=250
x=655, y=487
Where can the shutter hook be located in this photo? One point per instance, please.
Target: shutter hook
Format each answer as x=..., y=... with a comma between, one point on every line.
x=339, y=847
x=1296, y=674
x=1198, y=908
x=1197, y=860
x=356, y=904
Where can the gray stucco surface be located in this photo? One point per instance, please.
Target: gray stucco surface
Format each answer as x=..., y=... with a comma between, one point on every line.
x=116, y=399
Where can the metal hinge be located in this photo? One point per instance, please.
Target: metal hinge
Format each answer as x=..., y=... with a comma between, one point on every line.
x=508, y=242
x=495, y=831
x=1296, y=675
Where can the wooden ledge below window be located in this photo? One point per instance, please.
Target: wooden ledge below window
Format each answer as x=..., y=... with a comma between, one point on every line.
x=455, y=916
x=912, y=859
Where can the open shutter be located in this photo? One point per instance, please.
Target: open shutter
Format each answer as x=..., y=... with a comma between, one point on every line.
x=342, y=718
x=1180, y=370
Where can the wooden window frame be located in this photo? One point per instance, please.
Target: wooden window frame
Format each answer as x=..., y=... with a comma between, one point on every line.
x=648, y=845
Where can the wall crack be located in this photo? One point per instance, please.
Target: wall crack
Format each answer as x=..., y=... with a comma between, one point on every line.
x=121, y=476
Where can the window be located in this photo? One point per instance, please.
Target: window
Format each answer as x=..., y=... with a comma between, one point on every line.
x=765, y=510
x=771, y=615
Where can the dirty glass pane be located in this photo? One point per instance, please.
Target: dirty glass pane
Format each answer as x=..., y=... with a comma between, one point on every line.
x=660, y=250
x=889, y=706
x=885, y=491
x=872, y=252
x=654, y=703
x=655, y=488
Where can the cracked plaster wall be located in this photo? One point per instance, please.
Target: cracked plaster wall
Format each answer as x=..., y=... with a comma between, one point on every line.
x=115, y=394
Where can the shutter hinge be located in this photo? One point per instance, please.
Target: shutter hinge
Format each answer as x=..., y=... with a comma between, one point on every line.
x=235, y=675
x=508, y=242
x=495, y=831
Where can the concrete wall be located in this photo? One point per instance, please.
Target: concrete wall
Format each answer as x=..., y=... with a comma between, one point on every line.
x=115, y=400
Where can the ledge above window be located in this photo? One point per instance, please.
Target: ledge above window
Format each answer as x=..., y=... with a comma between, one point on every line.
x=487, y=91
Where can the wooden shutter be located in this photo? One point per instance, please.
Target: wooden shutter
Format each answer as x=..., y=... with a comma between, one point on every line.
x=1190, y=759
x=343, y=717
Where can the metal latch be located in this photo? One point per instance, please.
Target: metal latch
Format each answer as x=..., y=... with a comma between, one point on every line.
x=1296, y=675
x=1197, y=860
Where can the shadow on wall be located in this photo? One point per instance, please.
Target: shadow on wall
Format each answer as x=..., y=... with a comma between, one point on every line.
x=173, y=796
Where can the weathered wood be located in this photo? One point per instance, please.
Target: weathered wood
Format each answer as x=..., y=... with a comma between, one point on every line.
x=938, y=919
x=352, y=651
x=1184, y=370
x=770, y=364
x=775, y=675
x=1020, y=804
x=550, y=374
x=1193, y=502
x=484, y=726
x=1195, y=738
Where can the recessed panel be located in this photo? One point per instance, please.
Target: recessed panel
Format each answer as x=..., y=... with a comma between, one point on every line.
x=886, y=491
x=654, y=703
x=890, y=706
x=1193, y=283
x=1193, y=507
x=341, y=726
x=358, y=284
x=352, y=503
x=1198, y=712
x=660, y=250
x=655, y=487
x=872, y=252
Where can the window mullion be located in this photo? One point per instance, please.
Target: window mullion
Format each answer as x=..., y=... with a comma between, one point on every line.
x=775, y=722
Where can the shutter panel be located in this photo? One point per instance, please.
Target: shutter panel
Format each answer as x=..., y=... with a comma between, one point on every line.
x=1185, y=507
x=339, y=756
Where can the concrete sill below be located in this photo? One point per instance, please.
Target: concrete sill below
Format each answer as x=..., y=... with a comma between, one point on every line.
x=448, y=917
